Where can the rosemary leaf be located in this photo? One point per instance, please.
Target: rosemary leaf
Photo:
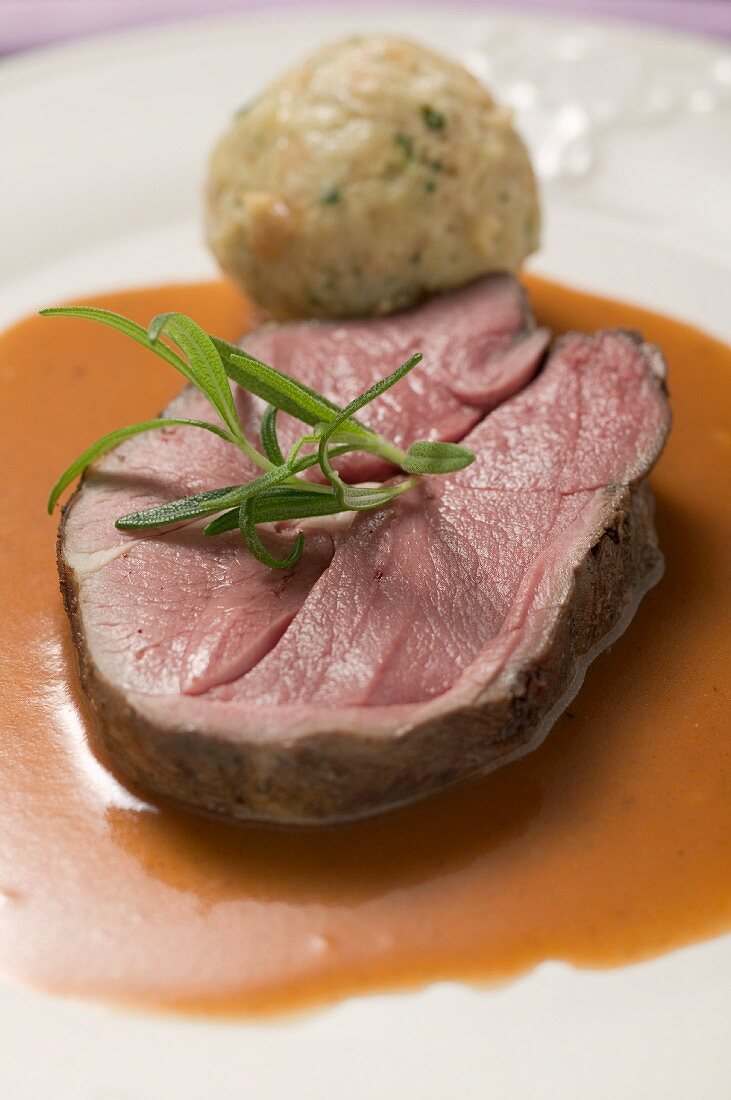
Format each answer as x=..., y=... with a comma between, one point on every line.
x=268, y=433
x=257, y=548
x=136, y=332
x=427, y=456
x=227, y=521
x=113, y=439
x=203, y=504
x=327, y=431
x=233, y=496
x=177, y=511
x=126, y=328
x=361, y=498
x=374, y=391
x=276, y=505
x=204, y=363
x=280, y=390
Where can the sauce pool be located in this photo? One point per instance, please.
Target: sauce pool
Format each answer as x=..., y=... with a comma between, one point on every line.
x=609, y=844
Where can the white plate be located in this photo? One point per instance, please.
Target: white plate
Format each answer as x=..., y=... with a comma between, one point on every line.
x=103, y=148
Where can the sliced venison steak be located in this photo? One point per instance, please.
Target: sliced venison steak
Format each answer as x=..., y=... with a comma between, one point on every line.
x=426, y=642
x=177, y=611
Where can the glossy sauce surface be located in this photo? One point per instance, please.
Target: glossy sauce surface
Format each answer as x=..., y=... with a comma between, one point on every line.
x=610, y=843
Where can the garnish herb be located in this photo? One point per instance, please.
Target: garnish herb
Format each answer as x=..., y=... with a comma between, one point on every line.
x=279, y=493
x=435, y=120
x=331, y=196
x=405, y=144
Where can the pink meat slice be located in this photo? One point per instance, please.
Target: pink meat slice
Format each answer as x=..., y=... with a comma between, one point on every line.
x=427, y=602
x=423, y=643
x=174, y=612
x=479, y=345
x=466, y=570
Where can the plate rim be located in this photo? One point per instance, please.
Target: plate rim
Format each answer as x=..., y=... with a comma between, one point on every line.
x=60, y=56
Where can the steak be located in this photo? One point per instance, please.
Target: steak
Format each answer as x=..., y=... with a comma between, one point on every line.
x=217, y=610
x=420, y=644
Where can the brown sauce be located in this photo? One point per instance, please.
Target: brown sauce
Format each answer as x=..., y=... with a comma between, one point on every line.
x=611, y=843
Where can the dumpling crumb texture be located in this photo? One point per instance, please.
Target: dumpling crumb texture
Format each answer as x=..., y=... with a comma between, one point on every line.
x=374, y=173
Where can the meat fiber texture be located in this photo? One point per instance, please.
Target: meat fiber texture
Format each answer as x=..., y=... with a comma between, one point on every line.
x=418, y=644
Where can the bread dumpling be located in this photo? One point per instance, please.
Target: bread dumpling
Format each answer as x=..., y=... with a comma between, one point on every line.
x=368, y=176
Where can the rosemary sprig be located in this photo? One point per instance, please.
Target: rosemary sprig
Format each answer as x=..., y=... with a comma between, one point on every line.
x=109, y=442
x=279, y=493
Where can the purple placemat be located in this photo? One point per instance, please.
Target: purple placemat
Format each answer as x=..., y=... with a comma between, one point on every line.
x=28, y=23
